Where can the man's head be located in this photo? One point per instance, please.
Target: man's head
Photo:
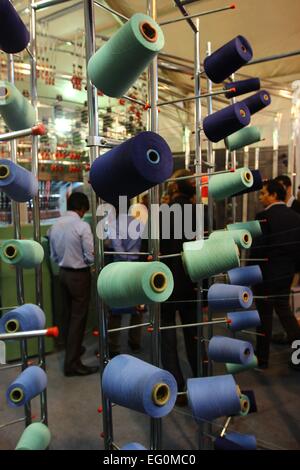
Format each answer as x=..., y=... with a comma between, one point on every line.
x=78, y=202
x=272, y=192
x=286, y=182
x=185, y=186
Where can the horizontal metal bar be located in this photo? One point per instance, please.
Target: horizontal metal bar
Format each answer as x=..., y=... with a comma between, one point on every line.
x=196, y=15
x=12, y=422
x=273, y=57
x=252, y=333
x=198, y=175
x=23, y=334
x=254, y=259
x=110, y=10
x=174, y=255
x=129, y=327
x=126, y=253
x=46, y=4
x=15, y=134
x=133, y=100
x=9, y=308
x=204, y=95
x=12, y=366
x=189, y=325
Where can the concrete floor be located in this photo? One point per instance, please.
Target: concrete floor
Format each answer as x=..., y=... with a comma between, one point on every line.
x=75, y=423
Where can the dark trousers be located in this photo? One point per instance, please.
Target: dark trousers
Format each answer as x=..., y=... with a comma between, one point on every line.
x=75, y=289
x=134, y=334
x=169, y=350
x=278, y=301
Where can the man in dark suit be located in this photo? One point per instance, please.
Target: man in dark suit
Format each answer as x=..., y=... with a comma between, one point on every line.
x=280, y=244
x=290, y=200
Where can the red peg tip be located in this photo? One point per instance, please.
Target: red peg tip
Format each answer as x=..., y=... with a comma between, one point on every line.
x=40, y=129
x=147, y=106
x=228, y=321
x=232, y=6
x=232, y=170
x=33, y=417
x=150, y=329
x=29, y=363
x=96, y=333
x=233, y=89
x=100, y=409
x=102, y=435
x=53, y=331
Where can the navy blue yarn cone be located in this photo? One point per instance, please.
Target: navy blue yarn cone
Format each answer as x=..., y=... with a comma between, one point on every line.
x=245, y=276
x=132, y=167
x=219, y=125
x=258, y=101
x=26, y=386
x=257, y=184
x=14, y=35
x=17, y=182
x=227, y=59
x=243, y=319
x=241, y=87
x=221, y=443
x=28, y=317
x=246, y=441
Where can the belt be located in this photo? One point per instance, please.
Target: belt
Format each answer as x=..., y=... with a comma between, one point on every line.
x=78, y=270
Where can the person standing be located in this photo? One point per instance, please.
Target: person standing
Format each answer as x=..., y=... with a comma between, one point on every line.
x=290, y=200
x=279, y=244
x=71, y=247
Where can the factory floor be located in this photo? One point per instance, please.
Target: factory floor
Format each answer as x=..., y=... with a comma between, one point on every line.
x=75, y=423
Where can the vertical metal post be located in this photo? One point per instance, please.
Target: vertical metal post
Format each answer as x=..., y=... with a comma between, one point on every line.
x=245, y=196
x=256, y=158
x=35, y=208
x=90, y=48
x=233, y=166
x=156, y=424
x=276, y=129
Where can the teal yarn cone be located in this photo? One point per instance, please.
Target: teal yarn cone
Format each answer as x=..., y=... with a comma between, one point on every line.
x=225, y=184
x=35, y=437
x=120, y=61
x=245, y=405
x=129, y=283
x=242, y=238
x=243, y=137
x=205, y=258
x=24, y=253
x=15, y=109
x=253, y=226
x=237, y=368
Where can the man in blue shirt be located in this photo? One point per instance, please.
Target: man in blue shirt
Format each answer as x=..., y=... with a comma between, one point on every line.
x=71, y=247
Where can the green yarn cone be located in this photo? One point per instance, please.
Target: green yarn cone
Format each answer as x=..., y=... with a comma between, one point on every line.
x=35, y=437
x=205, y=258
x=23, y=253
x=117, y=64
x=15, y=109
x=237, y=368
x=130, y=283
x=242, y=238
x=225, y=184
x=245, y=405
x=243, y=137
x=253, y=226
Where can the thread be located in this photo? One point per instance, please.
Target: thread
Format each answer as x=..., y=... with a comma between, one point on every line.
x=227, y=59
x=241, y=320
x=245, y=275
x=24, y=253
x=17, y=182
x=228, y=120
x=15, y=109
x=246, y=441
x=242, y=238
x=14, y=35
x=241, y=87
x=253, y=226
x=35, y=437
x=120, y=61
x=258, y=101
x=257, y=184
x=135, y=384
x=237, y=368
x=205, y=258
x=225, y=185
x=212, y=397
x=27, y=317
x=247, y=136
x=132, y=167
x=30, y=383
x=224, y=349
x=133, y=446
x=224, y=296
x=130, y=283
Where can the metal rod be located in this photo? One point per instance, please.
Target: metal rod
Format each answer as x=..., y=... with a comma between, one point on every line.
x=252, y=333
x=137, y=253
x=15, y=134
x=23, y=334
x=191, y=98
x=173, y=255
x=246, y=195
x=9, y=308
x=90, y=47
x=153, y=243
x=233, y=165
x=15, y=421
x=46, y=3
x=208, y=323
x=184, y=12
x=12, y=366
x=196, y=175
x=141, y=325
x=227, y=422
x=195, y=15
x=114, y=12
x=133, y=100
x=273, y=57
x=36, y=202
